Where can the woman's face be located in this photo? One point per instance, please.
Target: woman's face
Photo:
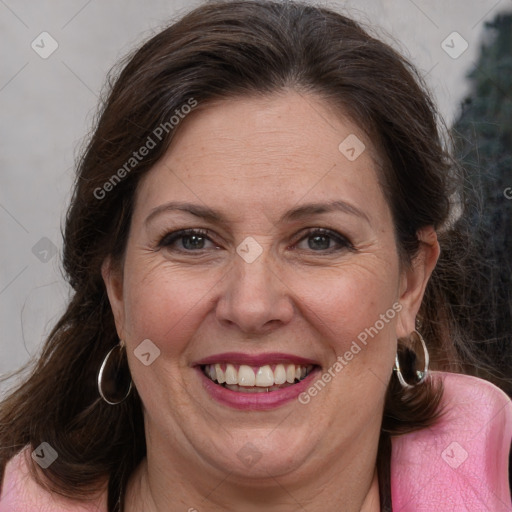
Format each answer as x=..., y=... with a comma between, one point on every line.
x=294, y=271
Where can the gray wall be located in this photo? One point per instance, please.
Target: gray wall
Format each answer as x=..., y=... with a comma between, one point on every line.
x=47, y=105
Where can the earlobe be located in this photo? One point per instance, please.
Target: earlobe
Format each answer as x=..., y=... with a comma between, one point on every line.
x=415, y=279
x=112, y=277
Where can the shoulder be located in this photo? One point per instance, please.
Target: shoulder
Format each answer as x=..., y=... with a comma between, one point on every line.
x=461, y=461
x=21, y=493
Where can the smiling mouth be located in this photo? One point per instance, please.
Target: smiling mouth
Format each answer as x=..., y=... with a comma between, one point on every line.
x=256, y=379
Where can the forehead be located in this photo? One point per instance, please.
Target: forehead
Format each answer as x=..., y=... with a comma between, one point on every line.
x=273, y=150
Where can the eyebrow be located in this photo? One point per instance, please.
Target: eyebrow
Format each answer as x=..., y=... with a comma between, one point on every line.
x=306, y=210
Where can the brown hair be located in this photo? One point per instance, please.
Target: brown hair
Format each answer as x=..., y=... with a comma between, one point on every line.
x=220, y=50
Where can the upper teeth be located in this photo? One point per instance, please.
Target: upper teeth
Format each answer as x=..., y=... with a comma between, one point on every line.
x=262, y=376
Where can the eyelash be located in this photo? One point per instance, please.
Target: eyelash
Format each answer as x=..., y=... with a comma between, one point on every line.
x=170, y=238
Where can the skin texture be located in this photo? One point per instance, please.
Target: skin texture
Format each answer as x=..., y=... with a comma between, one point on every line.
x=253, y=159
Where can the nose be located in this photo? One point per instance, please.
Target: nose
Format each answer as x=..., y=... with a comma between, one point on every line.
x=255, y=299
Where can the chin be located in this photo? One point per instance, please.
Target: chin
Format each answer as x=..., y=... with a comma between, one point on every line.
x=263, y=454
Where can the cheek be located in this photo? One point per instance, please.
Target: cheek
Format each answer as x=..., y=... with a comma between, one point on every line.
x=355, y=310
x=353, y=299
x=165, y=305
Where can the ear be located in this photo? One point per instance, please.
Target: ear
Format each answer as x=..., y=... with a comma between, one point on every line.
x=414, y=280
x=113, y=279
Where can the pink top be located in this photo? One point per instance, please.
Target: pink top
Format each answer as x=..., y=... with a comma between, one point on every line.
x=458, y=465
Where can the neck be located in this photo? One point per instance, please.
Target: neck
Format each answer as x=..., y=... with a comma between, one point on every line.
x=162, y=482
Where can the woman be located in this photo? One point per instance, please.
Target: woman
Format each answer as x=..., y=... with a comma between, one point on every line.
x=254, y=225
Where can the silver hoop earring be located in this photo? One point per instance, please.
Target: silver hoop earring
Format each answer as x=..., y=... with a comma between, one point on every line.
x=114, y=379
x=421, y=375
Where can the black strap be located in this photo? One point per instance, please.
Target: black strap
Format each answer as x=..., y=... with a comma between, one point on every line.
x=384, y=472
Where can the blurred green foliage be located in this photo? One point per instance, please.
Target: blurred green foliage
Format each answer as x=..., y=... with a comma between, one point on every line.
x=483, y=136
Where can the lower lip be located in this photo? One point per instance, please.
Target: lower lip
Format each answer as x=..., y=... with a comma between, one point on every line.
x=256, y=401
